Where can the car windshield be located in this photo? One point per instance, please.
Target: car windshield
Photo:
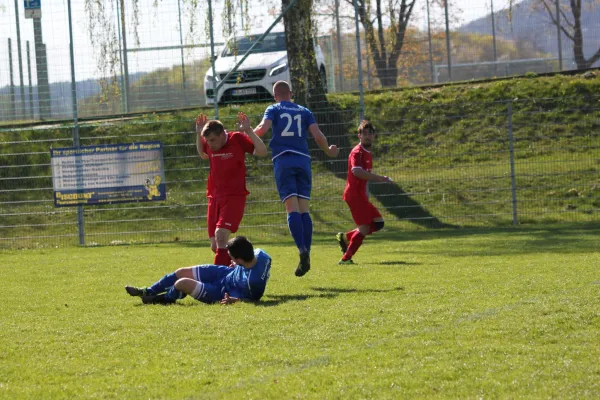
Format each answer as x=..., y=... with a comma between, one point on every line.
x=274, y=41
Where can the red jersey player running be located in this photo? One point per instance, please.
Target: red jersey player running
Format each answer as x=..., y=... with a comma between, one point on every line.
x=226, y=187
x=364, y=214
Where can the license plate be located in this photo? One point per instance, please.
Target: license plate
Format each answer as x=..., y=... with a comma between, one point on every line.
x=244, y=92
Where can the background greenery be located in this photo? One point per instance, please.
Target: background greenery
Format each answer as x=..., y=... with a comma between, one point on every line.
x=446, y=147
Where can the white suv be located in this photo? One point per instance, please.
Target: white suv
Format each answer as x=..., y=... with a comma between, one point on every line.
x=254, y=79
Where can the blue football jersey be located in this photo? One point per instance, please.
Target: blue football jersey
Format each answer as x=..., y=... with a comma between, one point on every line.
x=245, y=283
x=290, y=124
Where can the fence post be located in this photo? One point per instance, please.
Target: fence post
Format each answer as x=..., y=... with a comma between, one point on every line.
x=19, y=55
x=13, y=104
x=494, y=36
x=31, y=110
x=123, y=92
x=183, y=86
x=338, y=31
x=448, y=50
x=433, y=77
x=513, y=178
x=41, y=62
x=361, y=89
x=127, y=94
x=212, y=60
x=80, y=222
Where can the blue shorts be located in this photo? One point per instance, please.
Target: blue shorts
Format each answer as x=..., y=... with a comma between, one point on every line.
x=212, y=280
x=293, y=176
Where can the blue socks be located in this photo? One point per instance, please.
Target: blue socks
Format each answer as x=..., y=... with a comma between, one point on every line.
x=167, y=284
x=297, y=229
x=174, y=294
x=163, y=284
x=307, y=225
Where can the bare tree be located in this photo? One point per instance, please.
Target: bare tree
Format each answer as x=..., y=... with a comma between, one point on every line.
x=570, y=24
x=385, y=28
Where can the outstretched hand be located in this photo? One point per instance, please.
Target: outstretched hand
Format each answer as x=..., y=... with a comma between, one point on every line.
x=243, y=122
x=228, y=299
x=386, y=179
x=200, y=122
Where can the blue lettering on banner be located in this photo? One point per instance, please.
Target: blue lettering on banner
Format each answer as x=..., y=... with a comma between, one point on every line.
x=107, y=174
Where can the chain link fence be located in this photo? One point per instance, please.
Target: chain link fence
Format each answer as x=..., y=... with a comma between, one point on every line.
x=521, y=162
x=146, y=55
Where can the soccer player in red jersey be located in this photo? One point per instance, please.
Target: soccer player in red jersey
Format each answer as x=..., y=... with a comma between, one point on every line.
x=226, y=187
x=365, y=215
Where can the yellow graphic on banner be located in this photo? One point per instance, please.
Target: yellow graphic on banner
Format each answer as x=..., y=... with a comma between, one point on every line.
x=152, y=187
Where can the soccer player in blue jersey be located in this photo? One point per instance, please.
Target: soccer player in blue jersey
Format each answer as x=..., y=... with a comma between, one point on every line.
x=214, y=283
x=291, y=125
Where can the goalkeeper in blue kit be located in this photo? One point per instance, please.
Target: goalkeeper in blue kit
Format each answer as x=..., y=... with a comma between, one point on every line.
x=214, y=283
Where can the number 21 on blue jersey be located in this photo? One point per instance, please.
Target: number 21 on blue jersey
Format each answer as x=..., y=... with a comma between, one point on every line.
x=290, y=120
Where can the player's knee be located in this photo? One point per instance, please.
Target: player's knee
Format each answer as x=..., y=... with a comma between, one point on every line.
x=377, y=225
x=221, y=237
x=183, y=273
x=364, y=229
x=180, y=283
x=185, y=285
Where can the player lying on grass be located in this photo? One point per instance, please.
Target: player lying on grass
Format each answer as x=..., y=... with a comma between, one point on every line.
x=366, y=217
x=226, y=186
x=214, y=283
x=291, y=124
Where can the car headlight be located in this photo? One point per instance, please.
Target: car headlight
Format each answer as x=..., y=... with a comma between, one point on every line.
x=279, y=69
x=211, y=79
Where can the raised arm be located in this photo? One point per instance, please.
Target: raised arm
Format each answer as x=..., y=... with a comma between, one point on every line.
x=331, y=151
x=263, y=127
x=200, y=122
x=260, y=150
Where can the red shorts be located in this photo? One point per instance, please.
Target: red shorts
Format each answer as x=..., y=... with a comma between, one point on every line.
x=225, y=212
x=363, y=212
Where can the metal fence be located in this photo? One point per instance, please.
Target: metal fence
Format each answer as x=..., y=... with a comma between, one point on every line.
x=520, y=162
x=147, y=55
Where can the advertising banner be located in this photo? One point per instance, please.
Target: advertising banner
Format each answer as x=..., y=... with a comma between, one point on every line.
x=108, y=174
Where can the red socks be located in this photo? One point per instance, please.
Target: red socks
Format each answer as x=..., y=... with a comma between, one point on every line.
x=356, y=238
x=222, y=257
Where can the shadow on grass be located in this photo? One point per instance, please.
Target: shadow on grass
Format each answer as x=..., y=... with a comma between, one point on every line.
x=559, y=239
x=336, y=123
x=522, y=239
x=390, y=263
x=354, y=290
x=322, y=293
x=275, y=299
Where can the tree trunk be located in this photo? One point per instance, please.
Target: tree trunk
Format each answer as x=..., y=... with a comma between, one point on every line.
x=389, y=76
x=576, y=35
x=306, y=82
x=386, y=66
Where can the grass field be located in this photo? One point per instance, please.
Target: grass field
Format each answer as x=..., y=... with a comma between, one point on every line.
x=502, y=313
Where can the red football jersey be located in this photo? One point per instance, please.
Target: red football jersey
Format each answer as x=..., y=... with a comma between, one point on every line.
x=359, y=158
x=227, y=175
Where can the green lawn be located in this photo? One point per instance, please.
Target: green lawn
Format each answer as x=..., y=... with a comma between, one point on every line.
x=503, y=313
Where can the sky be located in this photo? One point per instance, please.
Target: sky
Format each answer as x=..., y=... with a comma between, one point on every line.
x=158, y=26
